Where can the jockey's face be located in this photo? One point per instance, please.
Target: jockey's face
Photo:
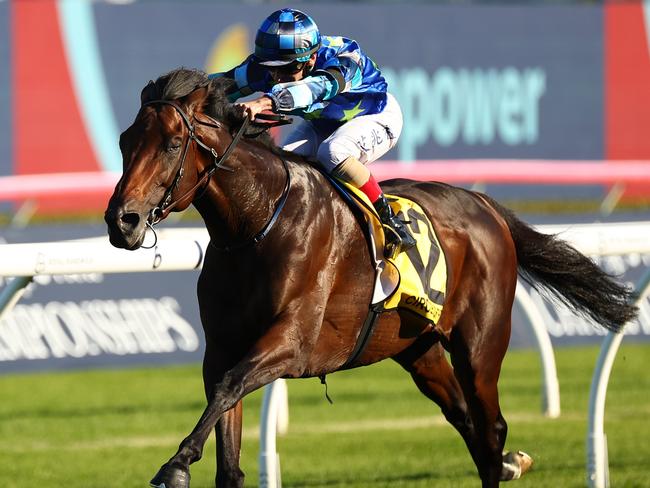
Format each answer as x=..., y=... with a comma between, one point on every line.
x=293, y=71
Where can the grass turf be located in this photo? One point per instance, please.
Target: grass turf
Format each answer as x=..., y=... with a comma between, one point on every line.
x=114, y=428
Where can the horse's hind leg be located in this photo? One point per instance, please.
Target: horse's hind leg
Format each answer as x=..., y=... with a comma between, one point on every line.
x=477, y=351
x=435, y=378
x=425, y=361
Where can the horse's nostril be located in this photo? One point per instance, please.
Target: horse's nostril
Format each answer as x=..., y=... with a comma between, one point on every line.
x=131, y=219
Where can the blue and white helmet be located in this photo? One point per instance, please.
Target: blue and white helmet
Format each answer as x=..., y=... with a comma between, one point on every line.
x=286, y=36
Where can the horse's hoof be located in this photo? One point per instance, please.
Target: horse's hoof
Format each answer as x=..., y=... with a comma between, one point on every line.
x=515, y=465
x=169, y=476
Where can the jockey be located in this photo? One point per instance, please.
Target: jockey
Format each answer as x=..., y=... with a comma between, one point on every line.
x=349, y=118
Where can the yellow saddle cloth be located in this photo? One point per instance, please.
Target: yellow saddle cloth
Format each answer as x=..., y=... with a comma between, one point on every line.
x=417, y=279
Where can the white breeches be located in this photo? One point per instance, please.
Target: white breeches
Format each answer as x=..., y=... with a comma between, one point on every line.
x=367, y=138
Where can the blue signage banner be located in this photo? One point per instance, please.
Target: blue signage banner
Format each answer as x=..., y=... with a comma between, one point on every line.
x=491, y=81
x=98, y=319
x=486, y=81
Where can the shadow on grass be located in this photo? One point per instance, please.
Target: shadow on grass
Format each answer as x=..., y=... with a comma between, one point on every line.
x=98, y=411
x=370, y=481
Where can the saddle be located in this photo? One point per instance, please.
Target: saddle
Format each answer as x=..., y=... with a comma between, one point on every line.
x=416, y=280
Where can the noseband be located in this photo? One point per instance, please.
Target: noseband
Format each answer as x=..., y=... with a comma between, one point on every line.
x=166, y=205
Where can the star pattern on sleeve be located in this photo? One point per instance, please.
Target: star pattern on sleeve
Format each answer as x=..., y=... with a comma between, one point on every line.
x=352, y=113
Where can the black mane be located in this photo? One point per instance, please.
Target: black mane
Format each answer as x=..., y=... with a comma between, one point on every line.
x=183, y=81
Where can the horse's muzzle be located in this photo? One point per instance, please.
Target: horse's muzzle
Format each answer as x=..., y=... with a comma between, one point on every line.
x=126, y=228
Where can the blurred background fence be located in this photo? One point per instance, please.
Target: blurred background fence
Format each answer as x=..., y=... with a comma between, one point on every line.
x=543, y=105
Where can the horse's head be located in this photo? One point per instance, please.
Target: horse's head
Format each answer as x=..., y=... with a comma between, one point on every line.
x=160, y=157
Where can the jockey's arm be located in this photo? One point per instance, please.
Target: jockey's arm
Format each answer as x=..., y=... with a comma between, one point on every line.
x=341, y=73
x=248, y=78
x=303, y=94
x=320, y=86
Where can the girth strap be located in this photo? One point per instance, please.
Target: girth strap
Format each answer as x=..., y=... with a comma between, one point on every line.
x=364, y=335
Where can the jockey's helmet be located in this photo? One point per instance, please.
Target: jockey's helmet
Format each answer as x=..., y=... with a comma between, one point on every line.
x=286, y=36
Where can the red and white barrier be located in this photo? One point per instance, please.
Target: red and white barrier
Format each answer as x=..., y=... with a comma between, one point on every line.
x=555, y=172
x=26, y=187
x=528, y=171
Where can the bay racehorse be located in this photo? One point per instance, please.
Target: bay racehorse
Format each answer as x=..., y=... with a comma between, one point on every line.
x=287, y=277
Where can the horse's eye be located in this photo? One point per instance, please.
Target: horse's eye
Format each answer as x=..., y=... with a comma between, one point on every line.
x=174, y=145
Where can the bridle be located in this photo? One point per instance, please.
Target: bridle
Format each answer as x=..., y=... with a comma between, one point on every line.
x=166, y=205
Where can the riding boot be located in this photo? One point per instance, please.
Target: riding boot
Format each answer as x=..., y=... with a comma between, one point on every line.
x=398, y=239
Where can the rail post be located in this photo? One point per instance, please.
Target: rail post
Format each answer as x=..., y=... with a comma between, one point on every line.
x=274, y=418
x=597, y=461
x=12, y=293
x=551, y=385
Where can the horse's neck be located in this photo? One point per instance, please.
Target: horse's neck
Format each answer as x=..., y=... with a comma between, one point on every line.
x=237, y=204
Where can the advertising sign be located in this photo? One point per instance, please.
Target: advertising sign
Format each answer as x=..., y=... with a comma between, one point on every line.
x=482, y=82
x=486, y=81
x=96, y=319
x=479, y=81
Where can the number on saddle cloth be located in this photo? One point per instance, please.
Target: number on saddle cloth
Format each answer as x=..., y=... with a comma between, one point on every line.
x=422, y=269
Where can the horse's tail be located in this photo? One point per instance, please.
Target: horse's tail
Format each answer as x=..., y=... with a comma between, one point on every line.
x=571, y=277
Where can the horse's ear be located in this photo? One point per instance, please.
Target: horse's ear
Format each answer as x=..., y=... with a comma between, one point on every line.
x=195, y=100
x=149, y=92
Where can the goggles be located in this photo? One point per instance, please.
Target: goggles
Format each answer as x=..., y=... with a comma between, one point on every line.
x=287, y=69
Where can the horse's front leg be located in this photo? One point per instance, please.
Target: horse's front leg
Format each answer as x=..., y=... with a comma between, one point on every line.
x=229, y=425
x=229, y=428
x=275, y=355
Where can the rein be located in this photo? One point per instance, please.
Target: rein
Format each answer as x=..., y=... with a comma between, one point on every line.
x=162, y=210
